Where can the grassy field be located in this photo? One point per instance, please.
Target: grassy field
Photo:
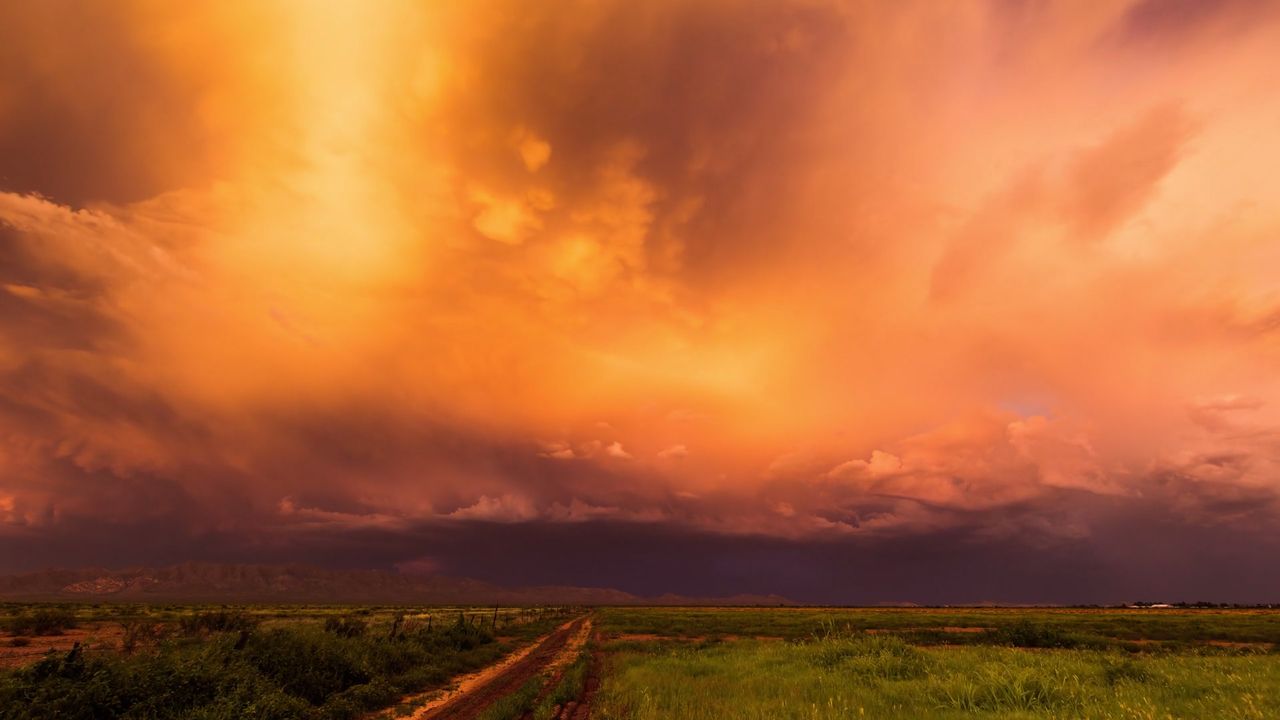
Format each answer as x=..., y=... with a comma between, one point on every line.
x=266, y=662
x=323, y=662
x=965, y=663
x=956, y=625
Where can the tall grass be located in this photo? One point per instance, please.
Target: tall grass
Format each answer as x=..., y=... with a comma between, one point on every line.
x=876, y=676
x=1023, y=627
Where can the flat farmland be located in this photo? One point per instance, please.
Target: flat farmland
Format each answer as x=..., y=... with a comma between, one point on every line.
x=636, y=663
x=939, y=663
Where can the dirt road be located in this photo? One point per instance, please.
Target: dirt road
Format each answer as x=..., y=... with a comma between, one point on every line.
x=473, y=693
x=580, y=709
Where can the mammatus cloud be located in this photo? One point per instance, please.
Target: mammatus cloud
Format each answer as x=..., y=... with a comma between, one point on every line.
x=812, y=272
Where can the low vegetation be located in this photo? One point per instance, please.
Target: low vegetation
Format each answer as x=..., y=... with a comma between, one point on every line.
x=213, y=621
x=1120, y=628
x=516, y=704
x=222, y=664
x=569, y=687
x=41, y=621
x=317, y=663
x=887, y=677
x=938, y=664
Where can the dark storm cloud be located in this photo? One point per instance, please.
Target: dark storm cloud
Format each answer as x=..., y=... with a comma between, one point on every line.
x=1138, y=553
x=709, y=100
x=1176, y=21
x=848, y=301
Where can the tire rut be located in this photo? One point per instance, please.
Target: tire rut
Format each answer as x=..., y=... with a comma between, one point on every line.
x=580, y=708
x=469, y=705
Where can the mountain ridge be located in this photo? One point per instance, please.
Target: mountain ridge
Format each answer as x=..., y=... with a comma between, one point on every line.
x=221, y=582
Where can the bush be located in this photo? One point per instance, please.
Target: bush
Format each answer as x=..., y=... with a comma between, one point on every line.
x=377, y=693
x=1030, y=635
x=310, y=665
x=216, y=621
x=69, y=686
x=44, y=621
x=346, y=627
x=139, y=631
x=295, y=672
x=463, y=635
x=878, y=657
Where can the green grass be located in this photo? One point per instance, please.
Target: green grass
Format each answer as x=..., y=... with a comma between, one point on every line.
x=568, y=688
x=1032, y=627
x=516, y=704
x=331, y=662
x=818, y=663
x=530, y=698
x=885, y=677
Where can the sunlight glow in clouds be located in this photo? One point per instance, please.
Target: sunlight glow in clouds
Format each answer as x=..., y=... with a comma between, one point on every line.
x=806, y=268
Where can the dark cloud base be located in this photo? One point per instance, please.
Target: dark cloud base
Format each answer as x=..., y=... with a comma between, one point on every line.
x=1172, y=561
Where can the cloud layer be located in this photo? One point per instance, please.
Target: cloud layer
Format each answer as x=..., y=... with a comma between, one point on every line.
x=776, y=277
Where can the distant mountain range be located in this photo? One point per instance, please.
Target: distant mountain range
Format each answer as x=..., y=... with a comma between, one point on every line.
x=210, y=582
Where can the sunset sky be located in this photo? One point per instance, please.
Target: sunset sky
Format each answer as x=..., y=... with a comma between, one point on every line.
x=847, y=301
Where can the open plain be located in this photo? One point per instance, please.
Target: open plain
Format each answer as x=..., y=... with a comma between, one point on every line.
x=636, y=663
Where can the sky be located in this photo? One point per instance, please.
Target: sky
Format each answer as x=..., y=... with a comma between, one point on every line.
x=852, y=302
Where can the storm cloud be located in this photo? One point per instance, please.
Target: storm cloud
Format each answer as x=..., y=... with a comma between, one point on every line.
x=848, y=301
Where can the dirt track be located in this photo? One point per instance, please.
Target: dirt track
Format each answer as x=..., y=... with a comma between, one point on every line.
x=475, y=692
x=580, y=709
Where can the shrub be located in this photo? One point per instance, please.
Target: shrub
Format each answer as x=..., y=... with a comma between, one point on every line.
x=377, y=693
x=294, y=672
x=463, y=635
x=200, y=683
x=310, y=665
x=1030, y=635
x=349, y=626
x=877, y=656
x=138, y=631
x=43, y=621
x=216, y=621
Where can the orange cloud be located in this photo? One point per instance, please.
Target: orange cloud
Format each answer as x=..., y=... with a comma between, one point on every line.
x=799, y=269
